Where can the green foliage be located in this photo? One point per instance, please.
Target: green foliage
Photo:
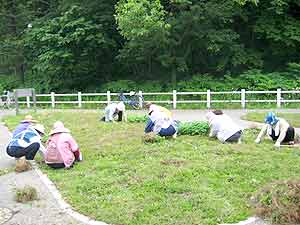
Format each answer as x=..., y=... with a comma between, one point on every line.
x=185, y=180
x=193, y=128
x=131, y=118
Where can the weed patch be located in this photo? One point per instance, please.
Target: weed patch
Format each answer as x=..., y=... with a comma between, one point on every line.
x=26, y=194
x=279, y=202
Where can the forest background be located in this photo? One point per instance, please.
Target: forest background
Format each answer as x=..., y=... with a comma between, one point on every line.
x=150, y=45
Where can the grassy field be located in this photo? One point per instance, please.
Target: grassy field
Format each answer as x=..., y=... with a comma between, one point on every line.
x=292, y=118
x=189, y=180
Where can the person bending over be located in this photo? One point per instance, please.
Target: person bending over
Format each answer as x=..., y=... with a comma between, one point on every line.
x=113, y=110
x=223, y=127
x=160, y=124
x=278, y=129
x=153, y=107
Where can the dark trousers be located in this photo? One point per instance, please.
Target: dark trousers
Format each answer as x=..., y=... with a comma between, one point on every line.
x=235, y=137
x=290, y=135
x=166, y=132
x=19, y=152
x=56, y=165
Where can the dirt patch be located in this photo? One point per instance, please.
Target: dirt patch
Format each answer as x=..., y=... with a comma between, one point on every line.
x=279, y=202
x=173, y=162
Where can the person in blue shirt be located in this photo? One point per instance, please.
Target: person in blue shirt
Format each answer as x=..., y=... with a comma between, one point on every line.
x=27, y=143
x=24, y=124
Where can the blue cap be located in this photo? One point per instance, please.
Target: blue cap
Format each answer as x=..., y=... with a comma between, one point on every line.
x=271, y=118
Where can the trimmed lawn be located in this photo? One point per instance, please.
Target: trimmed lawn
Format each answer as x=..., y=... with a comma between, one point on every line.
x=292, y=118
x=189, y=180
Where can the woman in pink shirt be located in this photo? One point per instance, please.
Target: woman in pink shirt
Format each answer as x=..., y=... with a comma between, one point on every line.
x=62, y=149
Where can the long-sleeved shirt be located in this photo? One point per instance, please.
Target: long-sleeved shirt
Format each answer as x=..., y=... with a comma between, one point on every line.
x=159, y=121
x=221, y=126
x=111, y=111
x=62, y=148
x=280, y=129
x=26, y=138
x=154, y=108
x=21, y=127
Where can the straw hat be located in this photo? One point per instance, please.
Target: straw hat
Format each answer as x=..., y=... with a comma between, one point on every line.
x=39, y=127
x=29, y=118
x=58, y=127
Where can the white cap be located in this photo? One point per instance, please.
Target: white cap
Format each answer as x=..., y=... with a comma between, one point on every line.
x=39, y=127
x=121, y=106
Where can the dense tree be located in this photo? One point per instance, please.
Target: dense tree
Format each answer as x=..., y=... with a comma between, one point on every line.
x=72, y=44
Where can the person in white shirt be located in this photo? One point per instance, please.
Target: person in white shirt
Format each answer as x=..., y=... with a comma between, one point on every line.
x=159, y=123
x=153, y=107
x=223, y=127
x=113, y=110
x=278, y=129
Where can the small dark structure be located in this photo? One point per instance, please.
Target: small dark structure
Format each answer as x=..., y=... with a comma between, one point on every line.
x=28, y=92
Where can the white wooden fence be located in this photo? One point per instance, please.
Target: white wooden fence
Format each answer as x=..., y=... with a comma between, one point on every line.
x=206, y=97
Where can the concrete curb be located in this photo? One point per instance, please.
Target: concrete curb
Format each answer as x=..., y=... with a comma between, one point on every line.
x=250, y=220
x=62, y=204
x=55, y=193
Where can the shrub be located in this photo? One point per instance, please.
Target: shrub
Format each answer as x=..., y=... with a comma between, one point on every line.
x=26, y=194
x=193, y=128
x=279, y=202
x=137, y=118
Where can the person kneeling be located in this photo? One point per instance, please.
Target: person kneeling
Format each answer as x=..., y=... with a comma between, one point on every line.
x=222, y=127
x=62, y=149
x=160, y=124
x=278, y=129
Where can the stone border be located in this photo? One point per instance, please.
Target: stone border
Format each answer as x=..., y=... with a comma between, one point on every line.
x=85, y=219
x=62, y=204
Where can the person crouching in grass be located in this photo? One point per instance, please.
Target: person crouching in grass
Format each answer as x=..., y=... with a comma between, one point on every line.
x=113, y=110
x=159, y=123
x=223, y=127
x=26, y=144
x=62, y=149
x=278, y=129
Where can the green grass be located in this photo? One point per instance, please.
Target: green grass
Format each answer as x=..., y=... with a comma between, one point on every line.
x=189, y=180
x=292, y=118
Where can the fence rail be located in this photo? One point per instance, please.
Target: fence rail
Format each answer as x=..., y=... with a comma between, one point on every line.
x=204, y=97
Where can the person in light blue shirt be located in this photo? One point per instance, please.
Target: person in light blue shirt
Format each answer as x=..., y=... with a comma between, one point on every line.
x=27, y=143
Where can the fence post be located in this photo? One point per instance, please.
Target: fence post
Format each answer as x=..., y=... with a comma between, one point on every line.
x=278, y=98
x=208, y=99
x=174, y=99
x=79, y=100
x=108, y=97
x=243, y=98
x=141, y=99
x=28, y=101
x=52, y=99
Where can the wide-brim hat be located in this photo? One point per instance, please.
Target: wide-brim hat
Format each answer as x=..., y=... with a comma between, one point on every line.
x=40, y=128
x=29, y=118
x=59, y=127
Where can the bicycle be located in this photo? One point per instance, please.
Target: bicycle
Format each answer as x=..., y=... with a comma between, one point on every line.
x=7, y=99
x=135, y=100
